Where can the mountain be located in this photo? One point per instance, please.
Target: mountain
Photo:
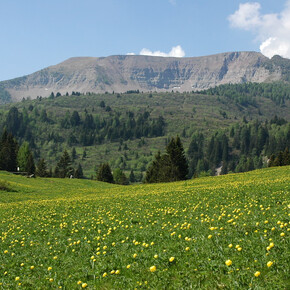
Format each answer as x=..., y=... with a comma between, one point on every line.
x=145, y=73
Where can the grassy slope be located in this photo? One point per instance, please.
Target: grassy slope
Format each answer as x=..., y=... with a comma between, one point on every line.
x=84, y=229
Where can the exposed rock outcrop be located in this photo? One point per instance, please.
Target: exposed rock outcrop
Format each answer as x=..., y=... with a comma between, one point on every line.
x=145, y=73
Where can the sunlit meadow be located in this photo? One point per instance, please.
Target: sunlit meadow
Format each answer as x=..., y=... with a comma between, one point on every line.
x=216, y=232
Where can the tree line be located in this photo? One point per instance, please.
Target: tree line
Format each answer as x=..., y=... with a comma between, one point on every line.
x=245, y=94
x=19, y=159
x=173, y=165
x=245, y=146
x=84, y=129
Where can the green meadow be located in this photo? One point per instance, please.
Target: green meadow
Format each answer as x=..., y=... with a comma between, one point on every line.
x=225, y=232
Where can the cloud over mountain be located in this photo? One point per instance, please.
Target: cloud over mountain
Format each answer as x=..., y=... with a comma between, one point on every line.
x=176, y=51
x=272, y=30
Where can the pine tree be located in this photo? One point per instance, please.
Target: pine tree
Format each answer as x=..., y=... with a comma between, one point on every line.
x=249, y=164
x=75, y=119
x=63, y=168
x=84, y=154
x=30, y=165
x=152, y=173
x=225, y=148
x=79, y=172
x=41, y=169
x=286, y=157
x=224, y=168
x=73, y=154
x=104, y=173
x=22, y=156
x=171, y=166
x=8, y=152
x=279, y=160
x=132, y=178
x=13, y=121
x=195, y=153
x=179, y=166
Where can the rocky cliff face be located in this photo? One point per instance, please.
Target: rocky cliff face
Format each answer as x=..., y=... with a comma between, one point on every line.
x=146, y=73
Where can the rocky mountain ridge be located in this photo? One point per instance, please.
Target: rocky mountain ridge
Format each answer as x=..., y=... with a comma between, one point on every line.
x=146, y=73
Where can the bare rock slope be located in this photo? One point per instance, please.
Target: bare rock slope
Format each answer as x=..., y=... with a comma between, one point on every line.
x=144, y=73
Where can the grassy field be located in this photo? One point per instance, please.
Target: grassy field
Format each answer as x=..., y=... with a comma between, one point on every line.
x=226, y=232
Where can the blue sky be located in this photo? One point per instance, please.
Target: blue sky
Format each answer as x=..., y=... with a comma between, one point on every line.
x=36, y=34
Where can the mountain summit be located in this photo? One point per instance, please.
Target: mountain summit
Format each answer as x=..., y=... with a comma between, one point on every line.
x=146, y=73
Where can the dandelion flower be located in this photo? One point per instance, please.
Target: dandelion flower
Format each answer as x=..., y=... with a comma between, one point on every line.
x=228, y=262
x=152, y=269
x=269, y=264
x=257, y=274
x=171, y=259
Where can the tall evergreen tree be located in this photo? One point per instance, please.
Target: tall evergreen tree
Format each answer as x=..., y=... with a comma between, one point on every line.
x=159, y=170
x=225, y=148
x=41, y=169
x=22, y=156
x=75, y=119
x=195, y=153
x=79, y=172
x=132, y=178
x=286, y=157
x=30, y=165
x=8, y=152
x=171, y=166
x=104, y=173
x=63, y=168
x=73, y=154
x=13, y=121
x=179, y=166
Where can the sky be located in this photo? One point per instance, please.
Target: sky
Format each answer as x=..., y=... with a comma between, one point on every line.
x=36, y=34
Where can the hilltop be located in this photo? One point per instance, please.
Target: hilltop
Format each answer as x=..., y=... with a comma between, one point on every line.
x=145, y=73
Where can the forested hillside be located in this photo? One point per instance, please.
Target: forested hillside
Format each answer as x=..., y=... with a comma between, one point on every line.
x=231, y=127
x=246, y=94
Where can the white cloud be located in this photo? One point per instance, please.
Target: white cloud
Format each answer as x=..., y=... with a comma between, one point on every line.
x=272, y=30
x=176, y=51
x=131, y=53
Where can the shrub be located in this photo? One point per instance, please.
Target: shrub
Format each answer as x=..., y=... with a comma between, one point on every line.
x=5, y=186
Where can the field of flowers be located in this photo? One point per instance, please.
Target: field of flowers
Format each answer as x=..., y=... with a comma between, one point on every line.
x=226, y=232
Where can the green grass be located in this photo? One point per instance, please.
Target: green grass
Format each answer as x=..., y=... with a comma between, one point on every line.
x=57, y=232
